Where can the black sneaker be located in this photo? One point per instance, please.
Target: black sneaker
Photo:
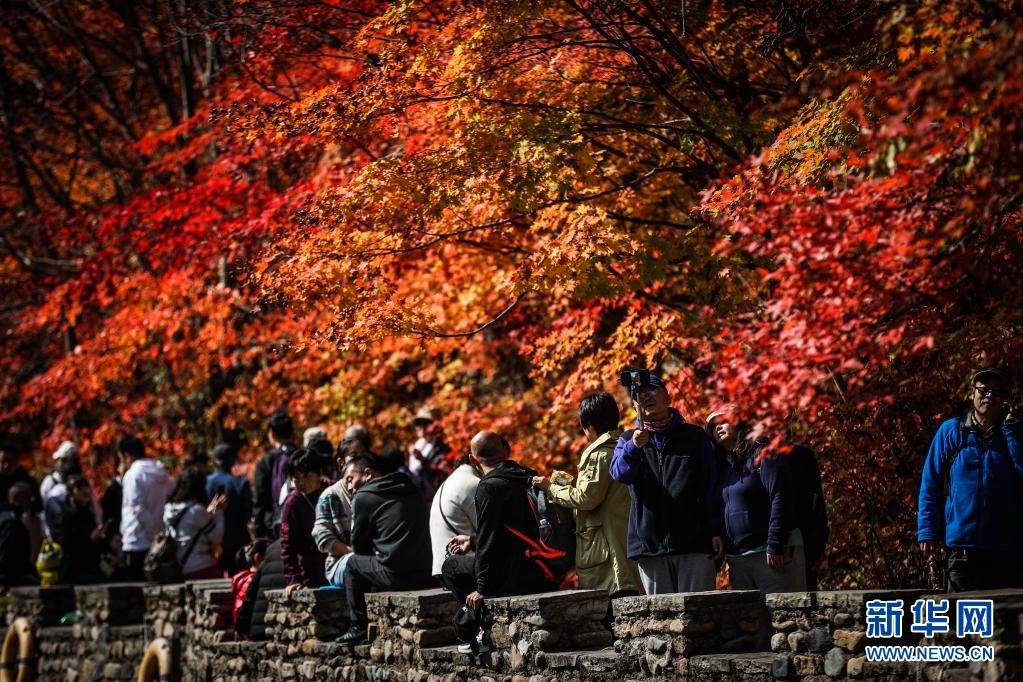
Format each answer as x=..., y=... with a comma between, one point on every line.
x=353, y=637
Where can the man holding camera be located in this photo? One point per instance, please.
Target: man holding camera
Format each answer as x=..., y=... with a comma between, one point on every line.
x=670, y=468
x=970, y=493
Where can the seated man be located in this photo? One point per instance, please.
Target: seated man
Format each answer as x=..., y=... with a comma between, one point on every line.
x=453, y=511
x=508, y=535
x=390, y=539
x=332, y=531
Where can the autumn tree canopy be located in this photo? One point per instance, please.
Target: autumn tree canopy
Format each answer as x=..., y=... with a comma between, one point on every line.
x=810, y=209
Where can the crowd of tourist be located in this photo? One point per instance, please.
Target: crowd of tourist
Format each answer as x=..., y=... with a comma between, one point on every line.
x=655, y=508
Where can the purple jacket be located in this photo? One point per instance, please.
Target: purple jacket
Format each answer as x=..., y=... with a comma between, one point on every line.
x=756, y=504
x=303, y=562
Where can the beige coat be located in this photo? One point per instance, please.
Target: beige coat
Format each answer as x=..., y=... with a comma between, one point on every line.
x=602, y=520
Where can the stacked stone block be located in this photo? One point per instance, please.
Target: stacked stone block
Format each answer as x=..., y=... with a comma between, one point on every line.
x=662, y=632
x=530, y=626
x=166, y=611
x=305, y=618
x=402, y=622
x=237, y=661
x=824, y=633
x=208, y=624
x=105, y=643
x=538, y=638
x=40, y=606
x=1007, y=624
x=755, y=666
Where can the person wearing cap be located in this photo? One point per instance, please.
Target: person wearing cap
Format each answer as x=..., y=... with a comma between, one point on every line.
x=65, y=463
x=670, y=468
x=53, y=490
x=426, y=455
x=970, y=497
x=238, y=511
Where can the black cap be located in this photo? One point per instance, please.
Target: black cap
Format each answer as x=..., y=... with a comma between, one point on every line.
x=992, y=373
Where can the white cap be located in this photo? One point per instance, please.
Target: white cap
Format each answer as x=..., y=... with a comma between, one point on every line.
x=67, y=450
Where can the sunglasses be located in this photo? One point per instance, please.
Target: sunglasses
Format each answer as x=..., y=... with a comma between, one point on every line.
x=985, y=391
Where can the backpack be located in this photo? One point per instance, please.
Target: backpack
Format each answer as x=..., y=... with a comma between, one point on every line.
x=809, y=506
x=556, y=525
x=161, y=564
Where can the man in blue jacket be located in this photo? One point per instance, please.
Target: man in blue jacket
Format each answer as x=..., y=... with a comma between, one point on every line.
x=970, y=494
x=670, y=468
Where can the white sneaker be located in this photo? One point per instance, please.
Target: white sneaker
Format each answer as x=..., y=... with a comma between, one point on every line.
x=481, y=645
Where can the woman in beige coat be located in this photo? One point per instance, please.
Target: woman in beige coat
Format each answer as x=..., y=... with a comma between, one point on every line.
x=602, y=504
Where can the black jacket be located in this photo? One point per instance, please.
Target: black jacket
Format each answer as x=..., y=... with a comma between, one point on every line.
x=391, y=520
x=671, y=480
x=811, y=514
x=81, y=554
x=508, y=534
x=15, y=566
x=270, y=576
x=264, y=504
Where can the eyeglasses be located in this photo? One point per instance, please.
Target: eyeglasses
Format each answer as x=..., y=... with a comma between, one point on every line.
x=985, y=391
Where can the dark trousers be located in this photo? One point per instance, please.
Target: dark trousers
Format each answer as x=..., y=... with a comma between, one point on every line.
x=977, y=569
x=365, y=574
x=133, y=562
x=458, y=575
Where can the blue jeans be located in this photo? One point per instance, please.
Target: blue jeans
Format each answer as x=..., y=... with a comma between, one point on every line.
x=336, y=576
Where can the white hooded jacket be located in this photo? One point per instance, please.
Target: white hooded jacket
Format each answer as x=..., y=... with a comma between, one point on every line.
x=146, y=487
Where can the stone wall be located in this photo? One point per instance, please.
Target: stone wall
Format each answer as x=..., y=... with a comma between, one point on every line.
x=662, y=632
x=106, y=640
x=555, y=637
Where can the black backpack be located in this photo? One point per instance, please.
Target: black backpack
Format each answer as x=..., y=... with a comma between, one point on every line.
x=811, y=513
x=556, y=525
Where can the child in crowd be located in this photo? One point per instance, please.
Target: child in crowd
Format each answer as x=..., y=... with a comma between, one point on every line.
x=252, y=557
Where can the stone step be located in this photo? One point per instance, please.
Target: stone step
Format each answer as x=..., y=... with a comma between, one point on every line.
x=744, y=667
x=591, y=661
